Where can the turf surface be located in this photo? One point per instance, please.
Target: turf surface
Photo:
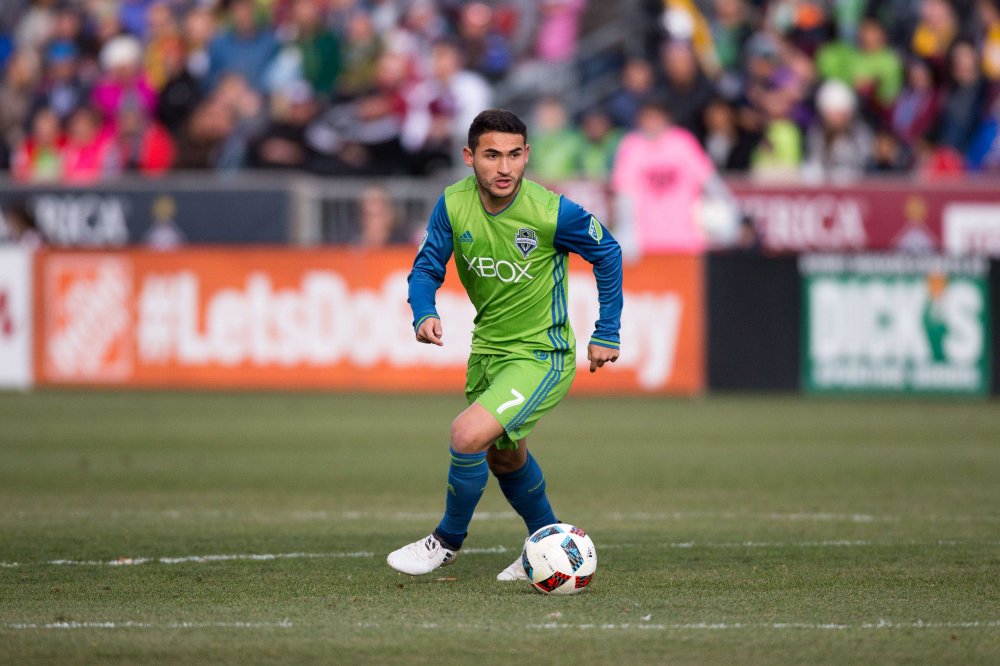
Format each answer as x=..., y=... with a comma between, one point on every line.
x=252, y=528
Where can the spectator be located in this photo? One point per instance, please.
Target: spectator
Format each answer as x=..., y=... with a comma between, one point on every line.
x=441, y=109
x=10, y=13
x=362, y=135
x=16, y=94
x=988, y=41
x=199, y=33
x=600, y=143
x=659, y=175
x=839, y=144
x=556, y=40
x=89, y=154
x=422, y=27
x=934, y=33
x=686, y=86
x=889, y=155
x=984, y=151
x=386, y=15
x=123, y=84
x=557, y=145
x=872, y=68
x=133, y=15
x=764, y=67
x=202, y=138
x=247, y=118
x=936, y=161
x=38, y=159
x=731, y=28
x=244, y=48
x=804, y=23
x=69, y=29
x=637, y=87
x=918, y=105
x=878, y=70
x=62, y=89
x=163, y=36
x=962, y=109
x=181, y=92
x=553, y=26
x=143, y=145
x=105, y=24
x=377, y=224
x=726, y=143
x=36, y=26
x=684, y=21
x=282, y=143
x=360, y=56
x=21, y=226
x=318, y=48
x=486, y=51
x=778, y=154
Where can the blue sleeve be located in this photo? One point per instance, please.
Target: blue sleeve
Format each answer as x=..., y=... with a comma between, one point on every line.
x=430, y=264
x=580, y=232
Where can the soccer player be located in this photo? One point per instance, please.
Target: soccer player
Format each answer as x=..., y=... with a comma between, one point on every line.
x=511, y=238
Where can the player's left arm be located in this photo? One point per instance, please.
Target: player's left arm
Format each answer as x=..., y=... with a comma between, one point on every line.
x=580, y=232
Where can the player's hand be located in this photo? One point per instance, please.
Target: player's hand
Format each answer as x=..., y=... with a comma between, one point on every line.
x=598, y=356
x=429, y=332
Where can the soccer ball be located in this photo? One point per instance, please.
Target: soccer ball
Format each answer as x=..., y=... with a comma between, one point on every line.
x=559, y=559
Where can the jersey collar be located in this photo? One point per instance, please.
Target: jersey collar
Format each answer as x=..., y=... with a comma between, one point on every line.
x=505, y=208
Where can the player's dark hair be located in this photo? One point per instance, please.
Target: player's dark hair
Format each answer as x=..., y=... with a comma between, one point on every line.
x=495, y=120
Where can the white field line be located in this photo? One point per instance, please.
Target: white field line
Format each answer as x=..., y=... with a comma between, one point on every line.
x=284, y=624
x=491, y=516
x=881, y=624
x=490, y=550
x=721, y=626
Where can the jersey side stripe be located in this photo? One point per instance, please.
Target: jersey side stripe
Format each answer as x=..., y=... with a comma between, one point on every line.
x=558, y=309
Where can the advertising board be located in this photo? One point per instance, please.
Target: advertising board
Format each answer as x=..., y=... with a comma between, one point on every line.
x=335, y=319
x=15, y=317
x=894, y=323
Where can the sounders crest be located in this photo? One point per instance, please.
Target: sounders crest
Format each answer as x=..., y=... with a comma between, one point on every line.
x=526, y=241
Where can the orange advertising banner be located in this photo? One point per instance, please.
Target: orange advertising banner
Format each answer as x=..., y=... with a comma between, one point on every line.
x=322, y=319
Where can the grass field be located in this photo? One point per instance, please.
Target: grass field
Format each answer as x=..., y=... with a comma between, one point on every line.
x=252, y=528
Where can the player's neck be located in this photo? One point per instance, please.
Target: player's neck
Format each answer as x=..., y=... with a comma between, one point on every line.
x=496, y=205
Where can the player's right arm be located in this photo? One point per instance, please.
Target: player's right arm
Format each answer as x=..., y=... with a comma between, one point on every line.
x=428, y=273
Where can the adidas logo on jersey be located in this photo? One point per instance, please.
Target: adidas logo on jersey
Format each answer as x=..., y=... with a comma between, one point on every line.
x=466, y=237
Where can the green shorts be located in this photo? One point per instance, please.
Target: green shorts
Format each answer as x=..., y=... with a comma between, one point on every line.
x=518, y=390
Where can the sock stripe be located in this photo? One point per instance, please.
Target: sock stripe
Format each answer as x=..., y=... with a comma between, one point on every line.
x=458, y=462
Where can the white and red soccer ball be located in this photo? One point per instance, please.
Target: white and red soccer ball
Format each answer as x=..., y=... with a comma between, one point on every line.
x=559, y=559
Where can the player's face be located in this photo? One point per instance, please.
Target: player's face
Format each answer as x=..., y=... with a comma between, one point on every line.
x=498, y=162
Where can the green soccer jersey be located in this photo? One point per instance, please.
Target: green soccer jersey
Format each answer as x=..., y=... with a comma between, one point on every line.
x=513, y=266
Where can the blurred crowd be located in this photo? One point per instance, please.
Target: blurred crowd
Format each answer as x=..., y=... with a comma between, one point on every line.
x=806, y=89
x=94, y=88
x=772, y=88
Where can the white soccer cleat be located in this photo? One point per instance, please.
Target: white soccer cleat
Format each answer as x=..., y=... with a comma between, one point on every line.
x=514, y=572
x=421, y=557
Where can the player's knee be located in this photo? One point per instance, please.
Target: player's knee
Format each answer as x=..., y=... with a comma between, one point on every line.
x=465, y=439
